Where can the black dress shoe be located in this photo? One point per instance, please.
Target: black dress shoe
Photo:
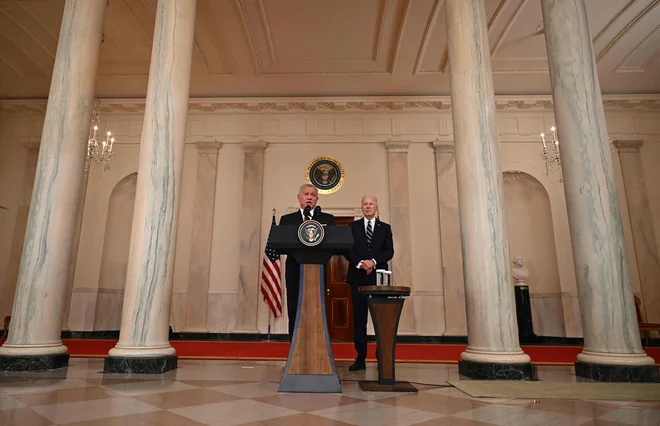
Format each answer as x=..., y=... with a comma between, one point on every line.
x=357, y=366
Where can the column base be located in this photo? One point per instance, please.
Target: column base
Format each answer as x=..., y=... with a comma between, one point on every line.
x=617, y=373
x=33, y=362
x=496, y=371
x=140, y=365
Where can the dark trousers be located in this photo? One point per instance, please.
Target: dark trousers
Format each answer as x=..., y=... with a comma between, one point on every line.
x=359, y=321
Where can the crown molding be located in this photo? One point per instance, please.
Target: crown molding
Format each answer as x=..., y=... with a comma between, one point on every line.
x=344, y=104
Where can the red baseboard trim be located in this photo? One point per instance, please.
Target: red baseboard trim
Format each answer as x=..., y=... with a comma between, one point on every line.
x=278, y=351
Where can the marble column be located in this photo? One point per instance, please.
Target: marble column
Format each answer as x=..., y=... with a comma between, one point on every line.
x=250, y=250
x=399, y=193
x=493, y=351
x=202, y=232
x=18, y=236
x=641, y=220
x=450, y=240
x=612, y=346
x=34, y=336
x=144, y=345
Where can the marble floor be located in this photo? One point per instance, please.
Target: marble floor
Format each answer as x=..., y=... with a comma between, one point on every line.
x=245, y=393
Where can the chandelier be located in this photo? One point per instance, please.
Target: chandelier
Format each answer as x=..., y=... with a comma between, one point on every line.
x=550, y=153
x=98, y=152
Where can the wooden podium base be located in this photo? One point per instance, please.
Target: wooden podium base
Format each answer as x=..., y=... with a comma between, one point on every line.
x=368, y=386
x=385, y=305
x=310, y=366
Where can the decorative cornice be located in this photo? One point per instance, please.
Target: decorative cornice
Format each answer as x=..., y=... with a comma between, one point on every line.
x=254, y=147
x=348, y=104
x=397, y=146
x=443, y=147
x=208, y=147
x=628, y=145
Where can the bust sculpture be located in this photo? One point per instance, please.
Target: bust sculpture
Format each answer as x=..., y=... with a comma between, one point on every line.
x=519, y=272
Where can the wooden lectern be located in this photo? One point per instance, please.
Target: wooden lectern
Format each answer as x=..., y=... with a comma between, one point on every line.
x=311, y=366
x=385, y=305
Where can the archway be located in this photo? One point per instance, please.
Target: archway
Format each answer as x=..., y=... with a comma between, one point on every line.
x=114, y=261
x=531, y=236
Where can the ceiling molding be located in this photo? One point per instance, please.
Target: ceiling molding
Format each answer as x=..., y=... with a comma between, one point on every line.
x=541, y=103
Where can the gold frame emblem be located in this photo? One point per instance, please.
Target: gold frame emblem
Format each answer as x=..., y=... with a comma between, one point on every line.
x=326, y=174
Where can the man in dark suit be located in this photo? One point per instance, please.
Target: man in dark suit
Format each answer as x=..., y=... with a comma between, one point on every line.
x=372, y=249
x=308, y=195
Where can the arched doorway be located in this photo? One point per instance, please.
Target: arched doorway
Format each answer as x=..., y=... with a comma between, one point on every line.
x=531, y=236
x=114, y=260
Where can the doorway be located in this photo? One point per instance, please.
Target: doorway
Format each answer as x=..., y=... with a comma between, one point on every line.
x=338, y=305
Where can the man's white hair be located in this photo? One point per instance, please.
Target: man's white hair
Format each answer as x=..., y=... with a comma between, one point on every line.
x=307, y=185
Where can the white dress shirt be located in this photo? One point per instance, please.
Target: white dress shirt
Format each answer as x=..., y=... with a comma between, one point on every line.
x=373, y=229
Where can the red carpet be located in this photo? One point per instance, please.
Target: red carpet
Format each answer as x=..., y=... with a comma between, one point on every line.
x=432, y=353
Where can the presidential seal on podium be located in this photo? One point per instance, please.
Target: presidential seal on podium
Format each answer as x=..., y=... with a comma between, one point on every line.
x=311, y=233
x=326, y=174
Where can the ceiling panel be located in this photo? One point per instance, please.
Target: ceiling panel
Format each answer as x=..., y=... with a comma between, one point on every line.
x=328, y=47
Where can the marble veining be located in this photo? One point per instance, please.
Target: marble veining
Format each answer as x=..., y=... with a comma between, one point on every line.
x=250, y=249
x=146, y=312
x=608, y=312
x=618, y=373
x=399, y=194
x=450, y=240
x=42, y=278
x=202, y=230
x=489, y=297
x=497, y=371
x=641, y=221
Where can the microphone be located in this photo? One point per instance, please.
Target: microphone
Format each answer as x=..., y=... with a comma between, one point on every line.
x=306, y=211
x=317, y=211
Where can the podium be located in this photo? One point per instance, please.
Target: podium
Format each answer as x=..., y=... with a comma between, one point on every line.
x=385, y=305
x=310, y=366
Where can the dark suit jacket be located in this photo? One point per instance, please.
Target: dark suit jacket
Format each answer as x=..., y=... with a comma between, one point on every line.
x=382, y=250
x=295, y=219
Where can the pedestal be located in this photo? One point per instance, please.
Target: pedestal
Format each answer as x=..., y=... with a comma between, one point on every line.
x=385, y=305
x=34, y=363
x=140, y=365
x=310, y=366
x=524, y=315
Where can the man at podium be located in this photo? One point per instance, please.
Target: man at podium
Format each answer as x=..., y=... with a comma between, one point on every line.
x=373, y=248
x=308, y=197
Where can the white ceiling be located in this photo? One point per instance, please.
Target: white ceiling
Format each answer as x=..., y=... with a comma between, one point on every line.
x=327, y=47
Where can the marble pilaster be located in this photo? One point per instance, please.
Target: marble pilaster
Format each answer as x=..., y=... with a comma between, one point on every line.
x=399, y=193
x=247, y=297
x=148, y=292
x=609, y=322
x=20, y=223
x=641, y=220
x=490, y=306
x=36, y=323
x=200, y=250
x=450, y=240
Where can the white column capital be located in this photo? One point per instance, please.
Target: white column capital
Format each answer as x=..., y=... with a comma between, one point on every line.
x=443, y=147
x=251, y=147
x=628, y=146
x=397, y=146
x=208, y=147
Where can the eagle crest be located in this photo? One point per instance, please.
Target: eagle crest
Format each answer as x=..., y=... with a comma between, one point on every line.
x=326, y=174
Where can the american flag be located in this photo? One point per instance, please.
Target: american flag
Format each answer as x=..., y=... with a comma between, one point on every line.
x=271, y=287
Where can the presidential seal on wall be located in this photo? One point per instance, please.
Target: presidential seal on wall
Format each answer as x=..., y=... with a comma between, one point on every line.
x=311, y=233
x=326, y=174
